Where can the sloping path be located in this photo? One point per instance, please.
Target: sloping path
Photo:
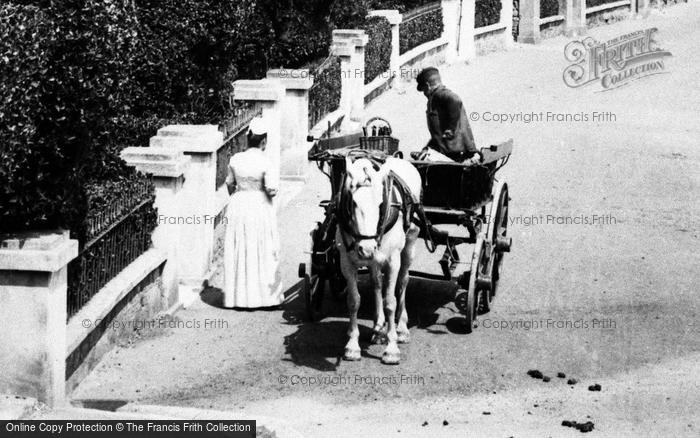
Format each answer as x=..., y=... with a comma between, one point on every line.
x=638, y=275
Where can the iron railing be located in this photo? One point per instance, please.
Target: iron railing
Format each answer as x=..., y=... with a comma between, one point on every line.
x=234, y=130
x=115, y=237
x=324, y=94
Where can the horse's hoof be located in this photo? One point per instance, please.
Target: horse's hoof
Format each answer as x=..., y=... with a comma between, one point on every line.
x=391, y=358
x=352, y=355
x=403, y=337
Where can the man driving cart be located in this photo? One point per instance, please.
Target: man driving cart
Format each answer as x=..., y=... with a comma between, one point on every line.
x=450, y=133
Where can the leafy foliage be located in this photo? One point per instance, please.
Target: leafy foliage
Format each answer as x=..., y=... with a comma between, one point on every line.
x=487, y=12
x=378, y=49
x=549, y=8
x=420, y=30
x=60, y=89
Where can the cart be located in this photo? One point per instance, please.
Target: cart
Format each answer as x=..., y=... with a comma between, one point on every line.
x=467, y=196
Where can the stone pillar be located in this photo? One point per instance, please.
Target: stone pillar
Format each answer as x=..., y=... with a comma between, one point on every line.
x=394, y=18
x=466, y=47
x=270, y=93
x=198, y=201
x=529, y=27
x=574, y=12
x=294, y=120
x=33, y=294
x=450, y=28
x=349, y=45
x=168, y=167
x=507, y=19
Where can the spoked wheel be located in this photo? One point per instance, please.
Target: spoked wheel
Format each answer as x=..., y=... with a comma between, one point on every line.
x=336, y=280
x=313, y=289
x=313, y=274
x=466, y=303
x=468, y=300
x=497, y=241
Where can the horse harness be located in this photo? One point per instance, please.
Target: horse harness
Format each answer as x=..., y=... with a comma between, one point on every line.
x=397, y=198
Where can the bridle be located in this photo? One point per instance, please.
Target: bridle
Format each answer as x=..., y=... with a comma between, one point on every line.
x=388, y=210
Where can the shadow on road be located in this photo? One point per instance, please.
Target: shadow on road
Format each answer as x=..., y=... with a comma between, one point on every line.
x=319, y=345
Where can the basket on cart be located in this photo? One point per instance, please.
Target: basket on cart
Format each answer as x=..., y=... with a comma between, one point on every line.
x=385, y=143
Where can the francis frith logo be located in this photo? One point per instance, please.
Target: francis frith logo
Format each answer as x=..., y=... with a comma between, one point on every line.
x=616, y=62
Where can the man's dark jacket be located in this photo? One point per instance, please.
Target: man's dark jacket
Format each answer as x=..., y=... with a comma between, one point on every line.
x=446, y=112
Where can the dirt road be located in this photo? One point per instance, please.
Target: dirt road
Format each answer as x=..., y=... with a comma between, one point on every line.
x=614, y=303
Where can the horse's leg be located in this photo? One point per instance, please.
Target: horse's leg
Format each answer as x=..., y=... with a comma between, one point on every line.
x=391, y=353
x=402, y=332
x=352, y=348
x=378, y=334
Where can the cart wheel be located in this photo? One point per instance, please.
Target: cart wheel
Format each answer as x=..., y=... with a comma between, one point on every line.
x=314, y=275
x=479, y=277
x=497, y=233
x=313, y=297
x=465, y=302
x=336, y=281
x=483, y=262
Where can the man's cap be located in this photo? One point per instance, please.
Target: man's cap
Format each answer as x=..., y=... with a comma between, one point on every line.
x=258, y=126
x=425, y=76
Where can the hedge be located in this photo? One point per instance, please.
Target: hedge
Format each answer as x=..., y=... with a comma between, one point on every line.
x=549, y=8
x=378, y=49
x=61, y=87
x=487, y=12
x=420, y=30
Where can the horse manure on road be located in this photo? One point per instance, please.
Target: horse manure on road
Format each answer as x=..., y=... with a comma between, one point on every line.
x=582, y=427
x=535, y=374
x=595, y=387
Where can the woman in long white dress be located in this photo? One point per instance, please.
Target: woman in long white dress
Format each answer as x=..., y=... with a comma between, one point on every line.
x=251, y=247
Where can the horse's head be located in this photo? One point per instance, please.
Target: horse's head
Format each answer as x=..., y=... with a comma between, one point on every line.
x=363, y=195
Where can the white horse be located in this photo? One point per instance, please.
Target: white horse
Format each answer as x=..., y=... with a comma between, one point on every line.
x=376, y=231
